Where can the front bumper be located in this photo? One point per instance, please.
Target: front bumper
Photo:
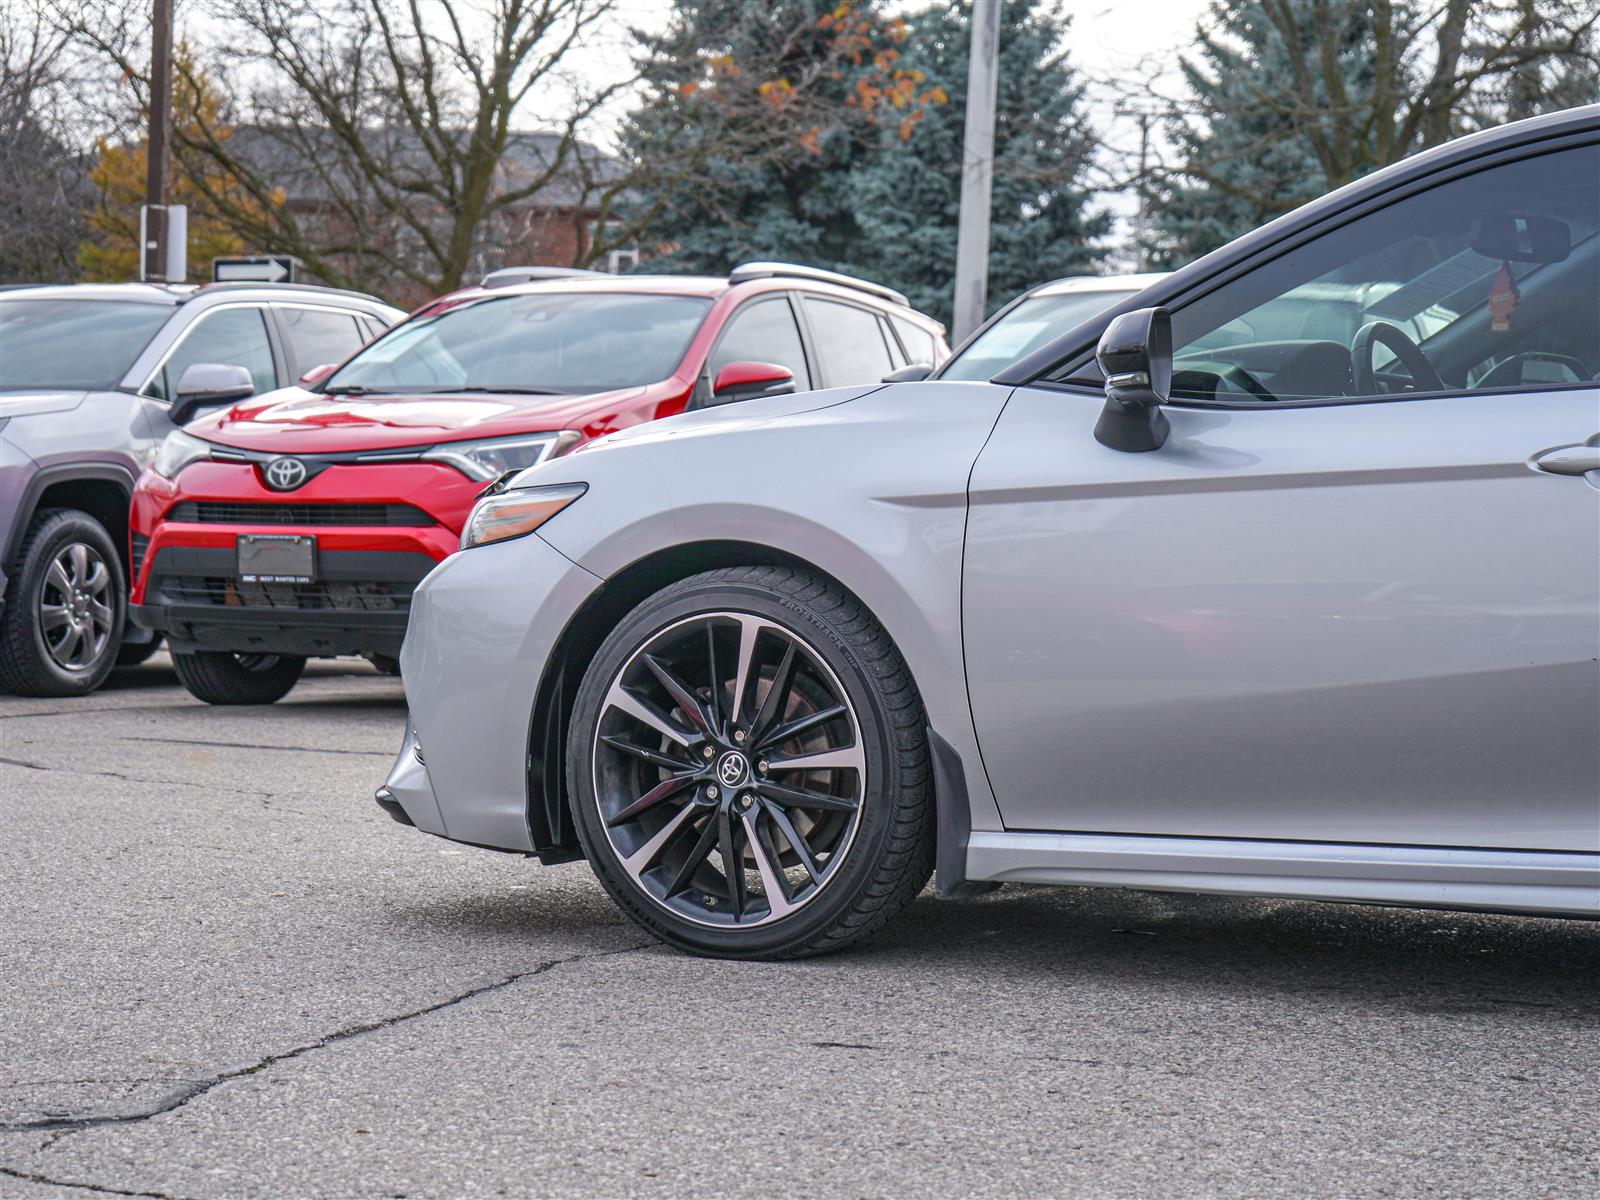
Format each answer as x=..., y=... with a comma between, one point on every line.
x=379, y=529
x=483, y=626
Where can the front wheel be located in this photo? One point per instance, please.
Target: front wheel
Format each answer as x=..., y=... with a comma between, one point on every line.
x=63, y=618
x=220, y=677
x=749, y=767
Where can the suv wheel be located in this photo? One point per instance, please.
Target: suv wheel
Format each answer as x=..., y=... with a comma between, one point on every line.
x=749, y=767
x=62, y=622
x=222, y=677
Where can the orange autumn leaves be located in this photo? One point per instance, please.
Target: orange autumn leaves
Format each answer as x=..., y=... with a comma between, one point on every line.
x=854, y=43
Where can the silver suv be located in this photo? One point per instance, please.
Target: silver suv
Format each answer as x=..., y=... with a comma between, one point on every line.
x=92, y=378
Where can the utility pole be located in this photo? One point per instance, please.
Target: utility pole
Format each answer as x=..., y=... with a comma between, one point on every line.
x=1141, y=225
x=977, y=170
x=155, y=229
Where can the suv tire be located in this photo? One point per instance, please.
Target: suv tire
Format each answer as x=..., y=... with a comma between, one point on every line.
x=866, y=830
x=222, y=677
x=63, y=617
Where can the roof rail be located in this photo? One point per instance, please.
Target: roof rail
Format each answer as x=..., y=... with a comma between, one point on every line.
x=205, y=289
x=768, y=270
x=507, y=276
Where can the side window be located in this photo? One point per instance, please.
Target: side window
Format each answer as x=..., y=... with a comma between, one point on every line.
x=918, y=341
x=763, y=332
x=849, y=343
x=1491, y=280
x=236, y=336
x=317, y=336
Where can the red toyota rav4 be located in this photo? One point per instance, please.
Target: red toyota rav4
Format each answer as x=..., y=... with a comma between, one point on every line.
x=297, y=524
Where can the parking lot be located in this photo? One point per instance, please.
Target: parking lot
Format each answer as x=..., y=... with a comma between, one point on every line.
x=228, y=974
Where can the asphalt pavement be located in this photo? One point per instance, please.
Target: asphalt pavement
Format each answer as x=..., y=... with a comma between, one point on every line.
x=225, y=973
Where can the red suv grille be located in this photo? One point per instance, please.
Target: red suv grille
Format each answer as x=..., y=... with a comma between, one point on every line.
x=218, y=512
x=367, y=595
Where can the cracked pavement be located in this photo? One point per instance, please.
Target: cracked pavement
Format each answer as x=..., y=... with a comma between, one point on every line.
x=226, y=974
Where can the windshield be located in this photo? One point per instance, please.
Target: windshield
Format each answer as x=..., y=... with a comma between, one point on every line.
x=1024, y=329
x=73, y=345
x=550, y=342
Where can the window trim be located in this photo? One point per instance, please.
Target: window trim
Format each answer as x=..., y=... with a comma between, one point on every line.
x=269, y=329
x=1056, y=375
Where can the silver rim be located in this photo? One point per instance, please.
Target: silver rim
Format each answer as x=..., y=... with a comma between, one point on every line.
x=726, y=739
x=75, y=608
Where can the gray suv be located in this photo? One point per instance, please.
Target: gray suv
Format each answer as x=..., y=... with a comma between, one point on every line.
x=92, y=378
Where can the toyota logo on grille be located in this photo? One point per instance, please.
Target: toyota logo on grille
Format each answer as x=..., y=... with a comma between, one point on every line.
x=285, y=474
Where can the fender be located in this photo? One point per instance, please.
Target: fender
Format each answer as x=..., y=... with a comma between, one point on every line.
x=66, y=472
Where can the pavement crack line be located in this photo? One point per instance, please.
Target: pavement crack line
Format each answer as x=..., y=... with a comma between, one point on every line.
x=195, y=1088
x=98, y=1189
x=118, y=775
x=175, y=741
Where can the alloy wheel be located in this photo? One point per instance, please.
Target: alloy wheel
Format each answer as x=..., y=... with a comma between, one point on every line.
x=729, y=770
x=76, y=615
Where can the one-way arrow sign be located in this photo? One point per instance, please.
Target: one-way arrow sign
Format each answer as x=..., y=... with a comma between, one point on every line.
x=271, y=268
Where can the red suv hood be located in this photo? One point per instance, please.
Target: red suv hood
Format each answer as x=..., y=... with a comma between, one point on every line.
x=295, y=421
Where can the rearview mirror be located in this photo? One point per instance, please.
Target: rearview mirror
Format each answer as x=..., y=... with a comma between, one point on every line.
x=208, y=385
x=1519, y=237
x=909, y=374
x=1135, y=356
x=747, y=380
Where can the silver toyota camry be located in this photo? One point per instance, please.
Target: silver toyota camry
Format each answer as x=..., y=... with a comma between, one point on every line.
x=1281, y=577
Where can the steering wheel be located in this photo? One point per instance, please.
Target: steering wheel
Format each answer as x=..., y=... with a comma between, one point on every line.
x=1362, y=378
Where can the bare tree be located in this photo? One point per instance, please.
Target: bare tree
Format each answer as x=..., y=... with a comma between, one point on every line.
x=41, y=172
x=377, y=140
x=1427, y=60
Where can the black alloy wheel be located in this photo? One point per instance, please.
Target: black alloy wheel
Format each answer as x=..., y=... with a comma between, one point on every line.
x=735, y=790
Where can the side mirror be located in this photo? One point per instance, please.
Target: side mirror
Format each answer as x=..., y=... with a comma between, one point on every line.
x=316, y=375
x=909, y=374
x=208, y=385
x=1520, y=237
x=1135, y=356
x=748, y=380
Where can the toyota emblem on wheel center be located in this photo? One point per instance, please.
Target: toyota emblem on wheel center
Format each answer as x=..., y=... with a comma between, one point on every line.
x=285, y=474
x=732, y=768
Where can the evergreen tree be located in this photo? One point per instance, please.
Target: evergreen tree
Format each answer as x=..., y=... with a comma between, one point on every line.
x=752, y=119
x=907, y=196
x=1274, y=120
x=864, y=173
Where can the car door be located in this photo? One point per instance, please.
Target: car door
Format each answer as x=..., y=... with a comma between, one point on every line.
x=1318, y=612
x=761, y=330
x=236, y=335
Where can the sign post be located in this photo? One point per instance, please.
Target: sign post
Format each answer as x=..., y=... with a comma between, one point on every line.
x=262, y=268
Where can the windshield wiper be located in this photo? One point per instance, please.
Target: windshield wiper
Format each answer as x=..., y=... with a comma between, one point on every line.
x=493, y=391
x=355, y=389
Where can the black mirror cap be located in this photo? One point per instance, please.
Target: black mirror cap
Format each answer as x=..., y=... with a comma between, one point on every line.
x=910, y=374
x=1135, y=355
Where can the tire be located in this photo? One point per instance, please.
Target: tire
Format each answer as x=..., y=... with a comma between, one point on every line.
x=222, y=677
x=66, y=608
x=657, y=790
x=131, y=654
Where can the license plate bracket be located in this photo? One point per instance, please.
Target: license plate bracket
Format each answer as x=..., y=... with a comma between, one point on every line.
x=277, y=558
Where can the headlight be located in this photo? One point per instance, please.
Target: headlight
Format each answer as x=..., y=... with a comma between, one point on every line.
x=516, y=513
x=177, y=452
x=493, y=458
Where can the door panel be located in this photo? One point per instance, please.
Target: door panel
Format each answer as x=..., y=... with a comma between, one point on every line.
x=1365, y=623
